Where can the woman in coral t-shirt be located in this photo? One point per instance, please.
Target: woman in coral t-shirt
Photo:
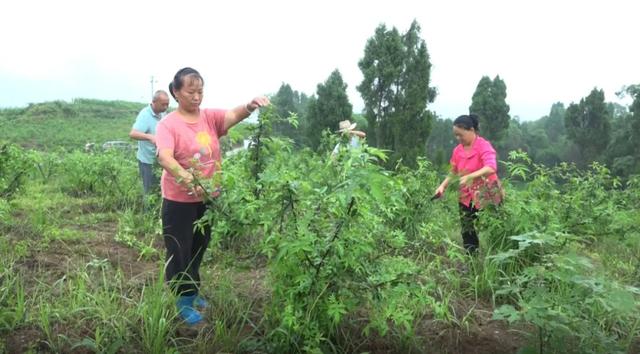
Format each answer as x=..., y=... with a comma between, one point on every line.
x=187, y=144
x=474, y=162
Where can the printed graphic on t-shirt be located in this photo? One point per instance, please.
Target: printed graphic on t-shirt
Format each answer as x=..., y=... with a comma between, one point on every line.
x=204, y=140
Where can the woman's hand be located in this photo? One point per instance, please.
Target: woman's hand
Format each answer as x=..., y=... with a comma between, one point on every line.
x=258, y=102
x=466, y=180
x=440, y=190
x=185, y=178
x=236, y=115
x=197, y=191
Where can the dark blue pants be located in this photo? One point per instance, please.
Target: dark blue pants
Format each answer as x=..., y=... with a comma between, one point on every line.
x=149, y=179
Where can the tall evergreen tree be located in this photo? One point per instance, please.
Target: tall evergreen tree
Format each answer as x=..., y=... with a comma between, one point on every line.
x=440, y=142
x=588, y=125
x=516, y=137
x=621, y=150
x=634, y=109
x=288, y=101
x=489, y=103
x=554, y=124
x=623, y=153
x=329, y=108
x=396, y=91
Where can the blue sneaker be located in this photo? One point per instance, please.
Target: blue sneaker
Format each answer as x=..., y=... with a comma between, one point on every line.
x=200, y=303
x=186, y=311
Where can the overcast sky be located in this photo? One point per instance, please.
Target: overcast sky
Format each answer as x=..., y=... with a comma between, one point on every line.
x=545, y=51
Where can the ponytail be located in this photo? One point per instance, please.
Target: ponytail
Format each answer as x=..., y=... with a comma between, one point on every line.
x=467, y=122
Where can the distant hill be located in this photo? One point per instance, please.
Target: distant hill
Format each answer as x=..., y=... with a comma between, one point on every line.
x=69, y=125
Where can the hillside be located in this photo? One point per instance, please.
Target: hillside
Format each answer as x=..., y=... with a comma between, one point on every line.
x=70, y=125
x=49, y=125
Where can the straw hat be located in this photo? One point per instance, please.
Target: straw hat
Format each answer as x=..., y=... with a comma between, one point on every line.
x=346, y=126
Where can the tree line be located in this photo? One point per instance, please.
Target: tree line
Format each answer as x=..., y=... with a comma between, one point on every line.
x=396, y=90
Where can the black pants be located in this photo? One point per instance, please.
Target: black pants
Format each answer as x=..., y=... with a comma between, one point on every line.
x=468, y=216
x=185, y=245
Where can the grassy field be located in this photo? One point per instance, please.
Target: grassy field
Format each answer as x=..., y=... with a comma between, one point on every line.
x=71, y=125
x=68, y=125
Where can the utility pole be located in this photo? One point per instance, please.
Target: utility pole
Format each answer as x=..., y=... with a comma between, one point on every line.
x=152, y=80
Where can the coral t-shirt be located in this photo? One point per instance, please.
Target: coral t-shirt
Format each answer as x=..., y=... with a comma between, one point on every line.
x=195, y=145
x=463, y=162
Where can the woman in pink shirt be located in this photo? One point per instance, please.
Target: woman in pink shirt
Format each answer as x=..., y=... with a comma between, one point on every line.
x=474, y=162
x=188, y=147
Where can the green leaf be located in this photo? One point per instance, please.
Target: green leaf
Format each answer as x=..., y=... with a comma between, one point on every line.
x=335, y=309
x=622, y=301
x=506, y=312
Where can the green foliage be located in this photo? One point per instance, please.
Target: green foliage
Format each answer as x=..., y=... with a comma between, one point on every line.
x=139, y=230
x=112, y=176
x=15, y=166
x=489, y=103
x=352, y=255
x=156, y=316
x=588, y=125
x=568, y=300
x=361, y=121
x=50, y=125
x=328, y=109
x=554, y=124
x=262, y=142
x=324, y=255
x=542, y=239
x=396, y=91
x=622, y=154
x=289, y=102
x=13, y=306
x=441, y=142
x=329, y=231
x=570, y=201
x=236, y=136
x=634, y=91
x=547, y=139
x=340, y=235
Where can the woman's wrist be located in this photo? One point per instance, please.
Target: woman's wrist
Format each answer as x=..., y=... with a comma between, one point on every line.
x=246, y=108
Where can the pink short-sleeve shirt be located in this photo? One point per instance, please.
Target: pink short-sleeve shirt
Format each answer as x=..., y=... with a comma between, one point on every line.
x=194, y=144
x=464, y=162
